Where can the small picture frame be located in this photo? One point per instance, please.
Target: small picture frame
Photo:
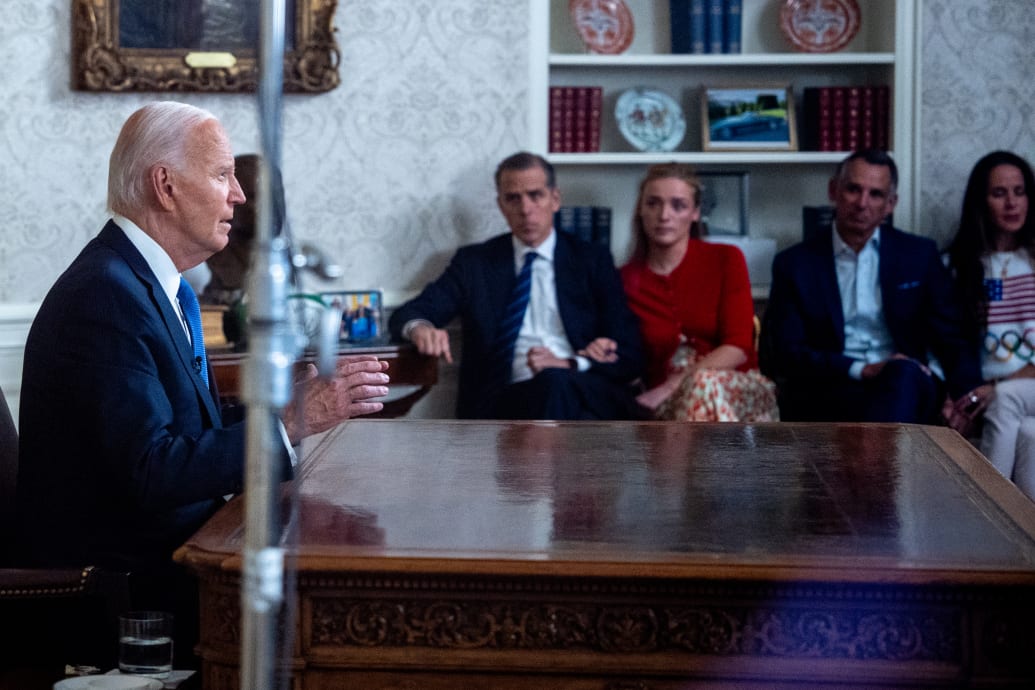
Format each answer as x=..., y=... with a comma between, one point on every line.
x=362, y=314
x=724, y=202
x=748, y=118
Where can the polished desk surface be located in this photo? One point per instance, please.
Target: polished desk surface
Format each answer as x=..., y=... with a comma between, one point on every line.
x=842, y=503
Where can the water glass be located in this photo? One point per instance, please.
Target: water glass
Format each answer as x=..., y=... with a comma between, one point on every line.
x=146, y=643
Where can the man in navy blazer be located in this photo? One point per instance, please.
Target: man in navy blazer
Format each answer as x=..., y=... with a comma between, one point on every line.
x=577, y=351
x=124, y=449
x=855, y=315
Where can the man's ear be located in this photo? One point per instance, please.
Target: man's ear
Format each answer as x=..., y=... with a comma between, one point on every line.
x=832, y=189
x=162, y=186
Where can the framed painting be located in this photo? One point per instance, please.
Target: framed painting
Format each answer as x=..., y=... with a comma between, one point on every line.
x=197, y=45
x=748, y=119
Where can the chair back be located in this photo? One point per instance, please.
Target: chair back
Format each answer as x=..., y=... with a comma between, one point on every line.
x=8, y=475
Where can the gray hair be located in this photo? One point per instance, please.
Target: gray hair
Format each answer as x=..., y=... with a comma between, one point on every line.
x=156, y=134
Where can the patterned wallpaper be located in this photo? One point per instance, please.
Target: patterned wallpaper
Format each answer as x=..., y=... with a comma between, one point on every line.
x=977, y=96
x=392, y=170
x=388, y=173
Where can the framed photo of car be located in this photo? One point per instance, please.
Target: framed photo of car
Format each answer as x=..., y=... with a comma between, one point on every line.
x=748, y=118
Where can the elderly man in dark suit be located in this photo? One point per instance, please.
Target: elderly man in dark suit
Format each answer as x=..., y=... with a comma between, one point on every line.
x=125, y=451
x=854, y=315
x=571, y=353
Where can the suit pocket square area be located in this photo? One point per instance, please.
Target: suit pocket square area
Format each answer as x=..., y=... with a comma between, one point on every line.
x=908, y=286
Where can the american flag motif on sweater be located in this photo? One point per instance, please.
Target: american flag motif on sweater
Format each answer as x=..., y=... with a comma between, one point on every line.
x=1010, y=339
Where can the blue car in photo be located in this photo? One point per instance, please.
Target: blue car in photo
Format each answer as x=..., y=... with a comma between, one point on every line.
x=750, y=126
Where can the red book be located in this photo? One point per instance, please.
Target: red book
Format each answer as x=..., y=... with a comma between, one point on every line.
x=568, y=119
x=881, y=119
x=596, y=104
x=853, y=118
x=582, y=105
x=839, y=107
x=868, y=117
x=556, y=119
x=817, y=123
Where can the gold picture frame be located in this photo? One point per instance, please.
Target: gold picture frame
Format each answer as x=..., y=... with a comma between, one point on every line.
x=101, y=61
x=748, y=118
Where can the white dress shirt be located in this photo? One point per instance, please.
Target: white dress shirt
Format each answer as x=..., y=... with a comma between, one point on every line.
x=542, y=324
x=867, y=338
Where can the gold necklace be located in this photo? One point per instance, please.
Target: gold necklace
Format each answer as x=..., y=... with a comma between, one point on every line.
x=1006, y=265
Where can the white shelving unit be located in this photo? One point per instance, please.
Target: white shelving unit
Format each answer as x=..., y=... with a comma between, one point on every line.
x=780, y=182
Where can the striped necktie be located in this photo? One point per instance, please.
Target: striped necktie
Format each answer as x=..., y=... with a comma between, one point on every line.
x=514, y=314
x=192, y=312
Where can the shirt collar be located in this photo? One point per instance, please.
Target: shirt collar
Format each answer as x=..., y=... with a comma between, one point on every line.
x=157, y=259
x=840, y=247
x=544, y=250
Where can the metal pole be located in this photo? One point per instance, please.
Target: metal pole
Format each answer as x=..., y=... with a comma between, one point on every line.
x=267, y=381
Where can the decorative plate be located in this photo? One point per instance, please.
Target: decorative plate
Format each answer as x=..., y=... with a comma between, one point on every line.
x=605, y=26
x=819, y=26
x=650, y=120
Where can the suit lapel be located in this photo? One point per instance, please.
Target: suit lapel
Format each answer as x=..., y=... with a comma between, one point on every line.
x=825, y=284
x=501, y=266
x=113, y=236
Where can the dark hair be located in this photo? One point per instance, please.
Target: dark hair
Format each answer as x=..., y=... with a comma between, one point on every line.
x=975, y=237
x=664, y=171
x=523, y=160
x=873, y=157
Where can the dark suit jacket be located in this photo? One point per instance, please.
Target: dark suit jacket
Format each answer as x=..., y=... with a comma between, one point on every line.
x=476, y=287
x=804, y=327
x=124, y=452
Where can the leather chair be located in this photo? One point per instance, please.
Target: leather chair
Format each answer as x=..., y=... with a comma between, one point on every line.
x=50, y=617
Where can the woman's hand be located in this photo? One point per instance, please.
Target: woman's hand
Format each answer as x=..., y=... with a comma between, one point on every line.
x=653, y=398
x=965, y=411
x=603, y=350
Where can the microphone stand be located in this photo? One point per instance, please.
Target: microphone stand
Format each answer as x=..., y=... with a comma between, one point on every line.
x=267, y=381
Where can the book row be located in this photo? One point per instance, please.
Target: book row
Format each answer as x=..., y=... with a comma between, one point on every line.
x=845, y=118
x=575, y=118
x=705, y=26
x=588, y=223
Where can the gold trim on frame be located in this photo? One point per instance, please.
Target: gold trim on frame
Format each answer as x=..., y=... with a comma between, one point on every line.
x=100, y=64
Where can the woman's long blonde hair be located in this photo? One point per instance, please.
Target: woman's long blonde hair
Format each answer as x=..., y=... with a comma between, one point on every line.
x=664, y=171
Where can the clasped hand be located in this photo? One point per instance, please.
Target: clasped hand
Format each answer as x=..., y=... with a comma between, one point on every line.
x=319, y=404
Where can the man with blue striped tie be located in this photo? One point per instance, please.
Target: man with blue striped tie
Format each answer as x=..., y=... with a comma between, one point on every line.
x=546, y=333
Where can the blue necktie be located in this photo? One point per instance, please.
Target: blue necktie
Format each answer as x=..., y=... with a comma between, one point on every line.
x=192, y=312
x=514, y=314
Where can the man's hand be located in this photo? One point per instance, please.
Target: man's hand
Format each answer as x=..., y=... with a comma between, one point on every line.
x=320, y=404
x=431, y=341
x=602, y=350
x=540, y=358
x=871, y=370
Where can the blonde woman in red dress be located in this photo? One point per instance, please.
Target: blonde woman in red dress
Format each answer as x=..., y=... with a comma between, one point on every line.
x=693, y=299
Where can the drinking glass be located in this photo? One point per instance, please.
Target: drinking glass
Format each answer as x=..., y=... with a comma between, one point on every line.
x=146, y=643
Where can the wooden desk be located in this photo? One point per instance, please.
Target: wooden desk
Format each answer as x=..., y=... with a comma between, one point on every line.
x=406, y=367
x=643, y=556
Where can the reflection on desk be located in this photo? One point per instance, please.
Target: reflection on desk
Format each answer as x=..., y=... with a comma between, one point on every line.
x=406, y=368
x=506, y=555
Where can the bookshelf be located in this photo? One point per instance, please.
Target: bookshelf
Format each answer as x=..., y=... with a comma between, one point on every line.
x=781, y=182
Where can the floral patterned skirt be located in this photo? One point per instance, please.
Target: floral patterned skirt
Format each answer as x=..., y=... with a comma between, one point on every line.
x=722, y=395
